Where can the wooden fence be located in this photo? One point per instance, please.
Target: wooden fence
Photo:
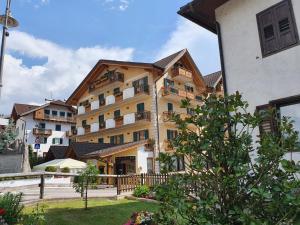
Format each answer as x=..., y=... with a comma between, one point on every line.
x=127, y=183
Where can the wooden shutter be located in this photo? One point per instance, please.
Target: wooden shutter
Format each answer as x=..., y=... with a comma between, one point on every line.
x=268, y=125
x=285, y=24
x=170, y=107
x=135, y=136
x=267, y=32
x=146, y=134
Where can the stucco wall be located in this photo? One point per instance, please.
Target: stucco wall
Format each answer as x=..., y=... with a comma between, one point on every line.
x=259, y=79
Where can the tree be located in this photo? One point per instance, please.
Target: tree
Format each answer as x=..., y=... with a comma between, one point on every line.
x=7, y=136
x=223, y=184
x=86, y=179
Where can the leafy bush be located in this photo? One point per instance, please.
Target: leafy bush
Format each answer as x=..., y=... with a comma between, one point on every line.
x=36, y=217
x=51, y=169
x=141, y=191
x=65, y=170
x=141, y=218
x=11, y=207
x=230, y=178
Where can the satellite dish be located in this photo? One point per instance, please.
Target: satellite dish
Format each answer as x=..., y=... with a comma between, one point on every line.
x=11, y=22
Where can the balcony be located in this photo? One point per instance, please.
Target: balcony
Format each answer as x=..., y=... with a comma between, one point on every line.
x=59, y=118
x=119, y=121
x=145, y=115
x=143, y=89
x=107, y=79
x=182, y=75
x=118, y=96
x=167, y=116
x=42, y=132
x=173, y=94
x=71, y=133
x=87, y=129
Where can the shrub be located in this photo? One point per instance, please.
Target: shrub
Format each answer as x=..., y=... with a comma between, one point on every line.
x=65, y=170
x=141, y=191
x=11, y=207
x=36, y=217
x=51, y=169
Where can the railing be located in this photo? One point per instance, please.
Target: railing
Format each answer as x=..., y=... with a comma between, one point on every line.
x=102, y=125
x=87, y=129
x=107, y=79
x=181, y=93
x=168, y=115
x=119, y=121
x=145, y=115
x=178, y=71
x=40, y=131
x=118, y=96
x=59, y=118
x=143, y=89
x=71, y=133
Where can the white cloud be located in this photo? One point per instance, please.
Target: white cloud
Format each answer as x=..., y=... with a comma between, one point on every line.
x=63, y=70
x=201, y=44
x=120, y=5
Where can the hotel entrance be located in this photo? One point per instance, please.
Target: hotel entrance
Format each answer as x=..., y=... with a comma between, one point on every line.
x=125, y=165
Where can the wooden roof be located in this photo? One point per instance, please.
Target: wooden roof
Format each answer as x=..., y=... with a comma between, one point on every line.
x=202, y=12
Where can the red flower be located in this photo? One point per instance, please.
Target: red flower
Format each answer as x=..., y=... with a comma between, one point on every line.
x=2, y=212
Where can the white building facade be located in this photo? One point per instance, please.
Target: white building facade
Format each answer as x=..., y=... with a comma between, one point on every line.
x=41, y=127
x=259, y=50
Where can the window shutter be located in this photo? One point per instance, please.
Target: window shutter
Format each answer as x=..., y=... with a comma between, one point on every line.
x=146, y=134
x=121, y=139
x=53, y=141
x=170, y=107
x=285, y=24
x=135, y=136
x=61, y=141
x=268, y=124
x=169, y=135
x=101, y=118
x=112, y=140
x=267, y=32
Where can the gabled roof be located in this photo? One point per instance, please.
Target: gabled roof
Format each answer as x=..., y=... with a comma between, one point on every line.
x=82, y=148
x=160, y=65
x=58, y=152
x=213, y=79
x=114, y=149
x=202, y=12
x=23, y=108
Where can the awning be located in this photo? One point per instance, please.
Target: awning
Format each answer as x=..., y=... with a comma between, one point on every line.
x=61, y=163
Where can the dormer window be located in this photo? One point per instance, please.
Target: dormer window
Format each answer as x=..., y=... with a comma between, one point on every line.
x=277, y=28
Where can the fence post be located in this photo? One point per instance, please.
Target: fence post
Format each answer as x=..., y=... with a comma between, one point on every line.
x=118, y=185
x=42, y=187
x=142, y=179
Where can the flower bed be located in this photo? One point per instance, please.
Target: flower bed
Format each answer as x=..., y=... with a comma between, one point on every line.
x=141, y=218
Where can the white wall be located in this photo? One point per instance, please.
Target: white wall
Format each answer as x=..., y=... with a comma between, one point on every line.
x=142, y=156
x=260, y=80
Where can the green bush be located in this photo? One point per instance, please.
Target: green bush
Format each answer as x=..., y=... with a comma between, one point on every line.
x=51, y=169
x=37, y=217
x=65, y=170
x=11, y=203
x=141, y=191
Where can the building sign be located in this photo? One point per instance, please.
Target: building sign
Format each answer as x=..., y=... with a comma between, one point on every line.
x=37, y=146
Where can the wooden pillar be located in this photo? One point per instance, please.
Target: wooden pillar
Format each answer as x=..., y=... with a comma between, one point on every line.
x=118, y=185
x=42, y=187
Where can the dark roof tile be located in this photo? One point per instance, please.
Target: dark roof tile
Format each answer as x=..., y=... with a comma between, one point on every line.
x=212, y=79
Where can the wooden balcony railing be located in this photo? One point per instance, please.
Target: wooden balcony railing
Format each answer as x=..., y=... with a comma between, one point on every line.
x=182, y=72
x=181, y=93
x=59, y=118
x=108, y=78
x=43, y=132
x=143, y=89
x=145, y=115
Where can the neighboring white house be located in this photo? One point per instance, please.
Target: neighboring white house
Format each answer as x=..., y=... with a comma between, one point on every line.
x=3, y=122
x=259, y=51
x=42, y=126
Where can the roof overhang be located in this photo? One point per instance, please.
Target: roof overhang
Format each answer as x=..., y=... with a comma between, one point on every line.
x=202, y=12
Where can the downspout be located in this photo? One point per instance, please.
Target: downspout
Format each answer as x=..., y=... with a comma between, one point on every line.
x=157, y=123
x=218, y=26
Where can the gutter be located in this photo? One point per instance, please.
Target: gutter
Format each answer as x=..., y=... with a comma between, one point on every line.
x=157, y=123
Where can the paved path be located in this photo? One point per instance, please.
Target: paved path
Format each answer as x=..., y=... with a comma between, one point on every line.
x=31, y=194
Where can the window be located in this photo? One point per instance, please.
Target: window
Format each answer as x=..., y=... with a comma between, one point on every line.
x=57, y=127
x=140, y=107
x=117, y=114
x=140, y=135
x=69, y=114
x=62, y=114
x=189, y=88
x=277, y=28
x=42, y=126
x=101, y=99
x=286, y=107
x=47, y=111
x=100, y=140
x=117, y=91
x=57, y=141
x=118, y=139
x=150, y=165
x=170, y=107
x=171, y=134
x=54, y=113
x=140, y=83
x=168, y=83
x=83, y=123
x=178, y=163
x=43, y=140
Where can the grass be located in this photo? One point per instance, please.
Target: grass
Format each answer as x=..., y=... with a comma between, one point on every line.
x=100, y=212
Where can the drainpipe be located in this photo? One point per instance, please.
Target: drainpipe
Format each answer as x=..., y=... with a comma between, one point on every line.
x=218, y=26
x=157, y=123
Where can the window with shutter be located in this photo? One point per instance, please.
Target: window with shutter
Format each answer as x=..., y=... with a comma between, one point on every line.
x=170, y=107
x=277, y=28
x=140, y=107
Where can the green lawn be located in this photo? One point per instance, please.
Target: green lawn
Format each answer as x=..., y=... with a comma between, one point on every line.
x=100, y=212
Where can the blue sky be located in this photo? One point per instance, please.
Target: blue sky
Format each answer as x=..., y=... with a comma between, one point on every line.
x=59, y=41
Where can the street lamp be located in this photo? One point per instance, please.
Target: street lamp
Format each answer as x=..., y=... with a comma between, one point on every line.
x=7, y=21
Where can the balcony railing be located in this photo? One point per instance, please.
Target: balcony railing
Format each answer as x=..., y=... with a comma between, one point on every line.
x=71, y=133
x=58, y=118
x=168, y=115
x=182, y=73
x=145, y=115
x=181, y=93
x=118, y=96
x=108, y=78
x=41, y=131
x=87, y=129
x=119, y=121
x=102, y=125
x=143, y=89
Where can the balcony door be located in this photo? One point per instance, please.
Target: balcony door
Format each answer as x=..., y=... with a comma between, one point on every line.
x=140, y=107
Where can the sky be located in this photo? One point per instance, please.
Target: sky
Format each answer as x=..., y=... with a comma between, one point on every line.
x=59, y=41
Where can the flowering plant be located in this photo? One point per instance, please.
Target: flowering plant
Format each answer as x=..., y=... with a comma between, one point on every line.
x=2, y=211
x=141, y=218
